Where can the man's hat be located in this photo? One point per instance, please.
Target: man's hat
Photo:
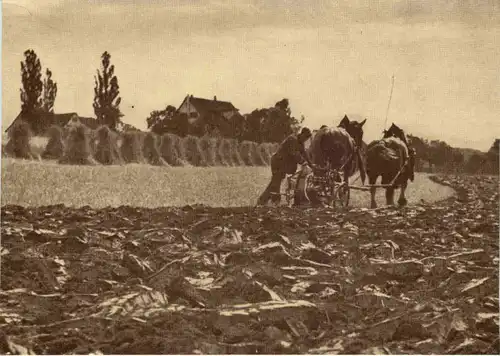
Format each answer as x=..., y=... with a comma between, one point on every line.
x=306, y=132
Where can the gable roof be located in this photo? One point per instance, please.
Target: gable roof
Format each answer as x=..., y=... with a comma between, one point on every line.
x=206, y=105
x=89, y=122
x=48, y=119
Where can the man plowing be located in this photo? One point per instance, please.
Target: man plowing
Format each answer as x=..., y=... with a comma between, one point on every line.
x=285, y=160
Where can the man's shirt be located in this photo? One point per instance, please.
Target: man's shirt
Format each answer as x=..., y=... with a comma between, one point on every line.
x=292, y=150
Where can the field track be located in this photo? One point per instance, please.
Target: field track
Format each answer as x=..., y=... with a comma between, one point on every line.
x=417, y=280
x=44, y=183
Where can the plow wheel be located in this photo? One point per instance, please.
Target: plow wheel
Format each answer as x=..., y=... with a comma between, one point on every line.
x=311, y=190
x=317, y=191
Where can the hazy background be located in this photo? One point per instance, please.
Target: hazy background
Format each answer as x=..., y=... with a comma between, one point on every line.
x=327, y=57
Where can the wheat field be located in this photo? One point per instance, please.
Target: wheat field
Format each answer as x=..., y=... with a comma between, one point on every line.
x=38, y=183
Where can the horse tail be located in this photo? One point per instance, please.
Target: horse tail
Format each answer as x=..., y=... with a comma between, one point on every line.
x=361, y=166
x=317, y=151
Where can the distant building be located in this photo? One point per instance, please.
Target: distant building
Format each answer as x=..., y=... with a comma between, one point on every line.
x=123, y=127
x=45, y=120
x=199, y=108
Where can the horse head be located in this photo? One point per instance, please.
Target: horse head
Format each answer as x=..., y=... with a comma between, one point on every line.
x=354, y=129
x=396, y=131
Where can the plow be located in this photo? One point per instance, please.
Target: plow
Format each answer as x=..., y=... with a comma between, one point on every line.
x=327, y=186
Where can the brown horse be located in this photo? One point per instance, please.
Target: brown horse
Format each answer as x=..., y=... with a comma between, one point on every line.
x=387, y=158
x=339, y=147
x=333, y=148
x=396, y=131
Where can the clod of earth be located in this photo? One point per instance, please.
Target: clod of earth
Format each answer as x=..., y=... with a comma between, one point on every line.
x=420, y=279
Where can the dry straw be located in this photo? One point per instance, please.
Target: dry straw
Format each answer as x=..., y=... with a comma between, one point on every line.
x=92, y=136
x=169, y=150
x=235, y=152
x=77, y=148
x=55, y=146
x=131, y=147
x=19, y=141
x=194, y=152
x=251, y=154
x=181, y=149
x=209, y=146
x=151, y=150
x=219, y=156
x=225, y=154
x=246, y=150
x=106, y=150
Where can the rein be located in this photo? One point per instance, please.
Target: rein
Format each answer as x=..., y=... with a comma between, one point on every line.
x=349, y=160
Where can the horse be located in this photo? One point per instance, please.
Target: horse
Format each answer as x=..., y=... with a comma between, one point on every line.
x=337, y=148
x=334, y=147
x=396, y=131
x=386, y=158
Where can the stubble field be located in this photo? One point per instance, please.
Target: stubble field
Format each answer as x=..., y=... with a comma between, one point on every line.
x=32, y=183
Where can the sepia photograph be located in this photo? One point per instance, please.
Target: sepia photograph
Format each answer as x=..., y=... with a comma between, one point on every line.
x=250, y=177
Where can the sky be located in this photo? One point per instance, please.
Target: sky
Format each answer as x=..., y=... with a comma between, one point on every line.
x=329, y=58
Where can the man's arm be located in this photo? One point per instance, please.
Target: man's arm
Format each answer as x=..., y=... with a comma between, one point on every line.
x=290, y=149
x=304, y=154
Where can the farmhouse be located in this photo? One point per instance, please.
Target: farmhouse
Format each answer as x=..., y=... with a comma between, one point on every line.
x=199, y=108
x=44, y=120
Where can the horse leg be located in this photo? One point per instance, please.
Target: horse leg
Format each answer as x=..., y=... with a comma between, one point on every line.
x=334, y=189
x=402, y=199
x=372, y=180
x=389, y=191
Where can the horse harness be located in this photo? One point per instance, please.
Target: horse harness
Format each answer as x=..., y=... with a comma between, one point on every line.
x=330, y=176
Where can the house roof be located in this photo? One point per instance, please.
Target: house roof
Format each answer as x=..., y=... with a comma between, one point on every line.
x=49, y=119
x=89, y=122
x=206, y=105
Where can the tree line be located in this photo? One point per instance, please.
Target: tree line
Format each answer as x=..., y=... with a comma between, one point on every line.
x=38, y=96
x=271, y=124
x=438, y=156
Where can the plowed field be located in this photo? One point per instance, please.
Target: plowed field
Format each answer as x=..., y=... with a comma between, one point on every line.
x=421, y=279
